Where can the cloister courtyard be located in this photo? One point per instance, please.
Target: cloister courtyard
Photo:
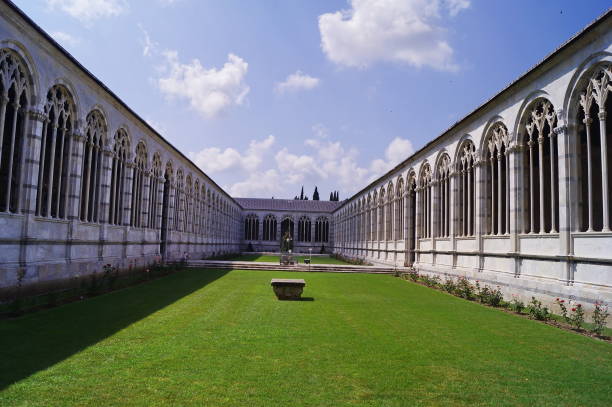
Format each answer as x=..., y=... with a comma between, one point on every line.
x=221, y=338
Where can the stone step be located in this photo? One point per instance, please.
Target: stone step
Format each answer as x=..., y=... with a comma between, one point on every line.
x=328, y=268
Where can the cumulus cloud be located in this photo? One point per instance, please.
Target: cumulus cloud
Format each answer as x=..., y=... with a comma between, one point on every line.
x=405, y=31
x=214, y=160
x=263, y=184
x=209, y=91
x=264, y=172
x=65, y=39
x=297, y=81
x=89, y=10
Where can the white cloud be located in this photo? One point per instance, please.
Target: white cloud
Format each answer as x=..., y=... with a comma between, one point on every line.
x=214, y=160
x=405, y=31
x=325, y=163
x=88, y=10
x=148, y=45
x=297, y=81
x=209, y=91
x=65, y=39
x=263, y=184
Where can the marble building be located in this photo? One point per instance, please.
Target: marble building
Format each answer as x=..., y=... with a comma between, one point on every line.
x=517, y=193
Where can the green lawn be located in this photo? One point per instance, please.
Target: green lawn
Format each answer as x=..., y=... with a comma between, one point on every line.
x=276, y=259
x=218, y=338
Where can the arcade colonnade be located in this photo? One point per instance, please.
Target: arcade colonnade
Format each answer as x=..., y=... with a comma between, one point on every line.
x=84, y=181
x=266, y=222
x=517, y=193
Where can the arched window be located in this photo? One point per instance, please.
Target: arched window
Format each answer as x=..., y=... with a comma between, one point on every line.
x=138, y=176
x=196, y=208
x=251, y=227
x=55, y=153
x=166, y=215
x=154, y=192
x=304, y=227
x=595, y=152
x=466, y=191
x=368, y=213
x=443, y=197
x=91, y=171
x=322, y=230
x=497, y=191
x=269, y=228
x=179, y=201
x=412, y=229
x=399, y=210
x=381, y=215
x=117, y=192
x=203, y=211
x=187, y=219
x=389, y=212
x=374, y=215
x=540, y=169
x=425, y=189
x=13, y=105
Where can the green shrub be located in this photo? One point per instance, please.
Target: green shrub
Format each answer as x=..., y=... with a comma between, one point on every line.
x=576, y=318
x=563, y=308
x=516, y=304
x=600, y=314
x=449, y=285
x=537, y=311
x=465, y=289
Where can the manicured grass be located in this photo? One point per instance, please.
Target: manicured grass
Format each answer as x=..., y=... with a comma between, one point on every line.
x=276, y=259
x=215, y=338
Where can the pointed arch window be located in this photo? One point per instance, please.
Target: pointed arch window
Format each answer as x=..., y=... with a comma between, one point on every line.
x=304, y=226
x=466, y=191
x=91, y=169
x=269, y=228
x=251, y=227
x=179, y=201
x=389, y=213
x=497, y=191
x=539, y=170
x=13, y=106
x=54, y=170
x=443, y=197
x=118, y=176
x=595, y=152
x=399, y=210
x=321, y=230
x=138, y=179
x=425, y=199
x=156, y=173
x=187, y=218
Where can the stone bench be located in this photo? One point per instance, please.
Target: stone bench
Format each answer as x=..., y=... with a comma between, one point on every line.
x=288, y=288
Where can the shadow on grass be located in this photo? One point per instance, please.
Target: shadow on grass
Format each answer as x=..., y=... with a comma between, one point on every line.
x=37, y=341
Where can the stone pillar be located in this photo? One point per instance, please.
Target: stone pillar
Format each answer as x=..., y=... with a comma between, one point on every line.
x=514, y=153
x=479, y=208
x=29, y=179
x=74, y=175
x=567, y=188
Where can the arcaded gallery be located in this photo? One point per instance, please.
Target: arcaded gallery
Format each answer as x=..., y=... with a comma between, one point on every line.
x=516, y=193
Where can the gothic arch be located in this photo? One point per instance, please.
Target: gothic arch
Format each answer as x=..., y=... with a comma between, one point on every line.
x=579, y=80
x=26, y=59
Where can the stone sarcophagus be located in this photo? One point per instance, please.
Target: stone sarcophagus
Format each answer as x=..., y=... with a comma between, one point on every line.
x=288, y=288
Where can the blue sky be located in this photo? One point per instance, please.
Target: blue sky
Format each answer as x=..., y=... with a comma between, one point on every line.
x=267, y=96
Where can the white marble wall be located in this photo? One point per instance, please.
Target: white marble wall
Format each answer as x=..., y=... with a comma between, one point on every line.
x=566, y=262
